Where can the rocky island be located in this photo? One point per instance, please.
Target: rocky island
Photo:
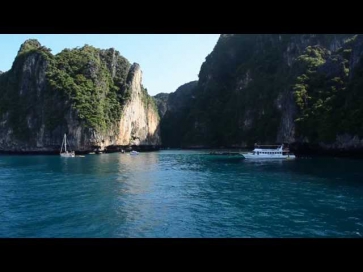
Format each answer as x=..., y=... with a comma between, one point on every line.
x=94, y=96
x=302, y=89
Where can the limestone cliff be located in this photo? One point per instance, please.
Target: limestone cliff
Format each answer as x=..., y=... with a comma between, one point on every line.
x=140, y=121
x=270, y=88
x=94, y=96
x=161, y=101
x=175, y=121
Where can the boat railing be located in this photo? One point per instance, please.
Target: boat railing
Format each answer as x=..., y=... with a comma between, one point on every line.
x=270, y=147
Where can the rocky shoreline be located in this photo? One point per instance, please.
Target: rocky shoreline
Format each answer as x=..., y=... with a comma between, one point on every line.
x=108, y=149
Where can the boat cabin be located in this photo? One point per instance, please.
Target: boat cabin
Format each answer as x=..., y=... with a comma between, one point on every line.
x=278, y=150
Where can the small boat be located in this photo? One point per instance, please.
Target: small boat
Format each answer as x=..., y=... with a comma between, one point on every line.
x=70, y=154
x=270, y=153
x=133, y=152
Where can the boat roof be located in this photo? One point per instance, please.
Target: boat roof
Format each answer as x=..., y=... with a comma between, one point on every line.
x=264, y=149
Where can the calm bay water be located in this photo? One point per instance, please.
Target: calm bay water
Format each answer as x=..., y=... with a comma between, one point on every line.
x=179, y=194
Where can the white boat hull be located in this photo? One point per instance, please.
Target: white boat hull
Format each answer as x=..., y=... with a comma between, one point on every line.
x=67, y=155
x=267, y=156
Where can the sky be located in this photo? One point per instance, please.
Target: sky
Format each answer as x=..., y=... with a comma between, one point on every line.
x=167, y=60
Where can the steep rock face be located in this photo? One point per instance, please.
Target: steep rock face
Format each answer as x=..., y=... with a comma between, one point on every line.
x=328, y=95
x=161, y=101
x=357, y=53
x=139, y=122
x=277, y=88
x=22, y=91
x=179, y=99
x=175, y=120
x=250, y=77
x=87, y=93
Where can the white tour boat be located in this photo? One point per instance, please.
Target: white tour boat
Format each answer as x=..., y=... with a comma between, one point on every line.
x=67, y=154
x=269, y=153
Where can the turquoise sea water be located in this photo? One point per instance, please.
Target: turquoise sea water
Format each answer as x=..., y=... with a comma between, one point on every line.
x=179, y=194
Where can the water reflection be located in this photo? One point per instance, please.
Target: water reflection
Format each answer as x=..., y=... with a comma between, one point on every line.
x=178, y=194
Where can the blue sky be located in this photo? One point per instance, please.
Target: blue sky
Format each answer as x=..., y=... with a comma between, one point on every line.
x=167, y=60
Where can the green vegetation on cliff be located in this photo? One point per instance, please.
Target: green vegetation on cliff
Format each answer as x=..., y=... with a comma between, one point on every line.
x=272, y=88
x=83, y=76
x=18, y=89
x=323, y=93
x=42, y=88
x=234, y=99
x=149, y=101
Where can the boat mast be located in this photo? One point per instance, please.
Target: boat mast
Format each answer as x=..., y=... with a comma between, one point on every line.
x=65, y=143
x=62, y=145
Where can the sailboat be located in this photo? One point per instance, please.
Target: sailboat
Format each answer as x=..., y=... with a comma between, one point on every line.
x=66, y=153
